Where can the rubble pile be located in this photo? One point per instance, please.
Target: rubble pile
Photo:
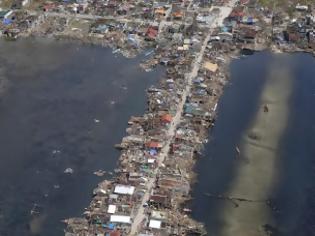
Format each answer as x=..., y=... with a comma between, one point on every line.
x=155, y=171
x=295, y=33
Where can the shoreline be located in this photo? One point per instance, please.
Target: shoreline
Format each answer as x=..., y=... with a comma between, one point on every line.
x=168, y=174
x=155, y=173
x=259, y=142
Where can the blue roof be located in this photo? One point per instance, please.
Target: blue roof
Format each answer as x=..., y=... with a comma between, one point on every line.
x=153, y=152
x=224, y=29
x=111, y=226
x=7, y=21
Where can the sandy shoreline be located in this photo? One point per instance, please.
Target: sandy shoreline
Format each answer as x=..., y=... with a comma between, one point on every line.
x=257, y=174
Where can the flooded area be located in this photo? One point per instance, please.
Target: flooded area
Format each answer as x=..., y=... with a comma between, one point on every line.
x=63, y=106
x=256, y=175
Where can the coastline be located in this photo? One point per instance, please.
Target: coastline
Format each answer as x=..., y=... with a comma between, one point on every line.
x=155, y=169
x=168, y=183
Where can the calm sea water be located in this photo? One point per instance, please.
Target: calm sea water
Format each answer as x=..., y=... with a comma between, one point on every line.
x=292, y=195
x=62, y=106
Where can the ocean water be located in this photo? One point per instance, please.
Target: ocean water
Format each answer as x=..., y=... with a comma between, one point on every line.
x=62, y=105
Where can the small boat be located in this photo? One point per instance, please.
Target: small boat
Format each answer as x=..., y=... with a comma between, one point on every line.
x=116, y=51
x=153, y=90
x=237, y=150
x=235, y=57
x=187, y=210
x=119, y=146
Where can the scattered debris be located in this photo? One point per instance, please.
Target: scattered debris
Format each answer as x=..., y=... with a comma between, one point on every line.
x=68, y=171
x=56, y=186
x=56, y=151
x=195, y=41
x=238, y=150
x=100, y=173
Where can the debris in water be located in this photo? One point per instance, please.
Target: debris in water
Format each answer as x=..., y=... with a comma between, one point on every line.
x=56, y=186
x=116, y=51
x=68, y=171
x=124, y=87
x=36, y=209
x=100, y=173
x=266, y=109
x=187, y=210
x=237, y=150
x=55, y=151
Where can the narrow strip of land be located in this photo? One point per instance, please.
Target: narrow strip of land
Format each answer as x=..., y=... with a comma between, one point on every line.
x=225, y=11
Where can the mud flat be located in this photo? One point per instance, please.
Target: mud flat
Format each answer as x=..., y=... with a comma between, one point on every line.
x=256, y=174
x=258, y=186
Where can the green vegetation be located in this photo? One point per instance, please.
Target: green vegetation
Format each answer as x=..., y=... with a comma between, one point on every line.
x=5, y=4
x=283, y=3
x=287, y=6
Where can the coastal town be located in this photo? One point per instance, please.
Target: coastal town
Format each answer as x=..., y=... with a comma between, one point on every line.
x=194, y=41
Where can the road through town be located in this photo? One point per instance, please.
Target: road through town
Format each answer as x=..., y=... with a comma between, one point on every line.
x=139, y=217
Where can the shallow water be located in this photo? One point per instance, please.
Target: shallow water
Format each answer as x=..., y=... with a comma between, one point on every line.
x=275, y=170
x=62, y=106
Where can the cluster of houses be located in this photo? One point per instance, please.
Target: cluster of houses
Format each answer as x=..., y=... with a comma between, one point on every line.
x=297, y=31
x=241, y=28
x=117, y=202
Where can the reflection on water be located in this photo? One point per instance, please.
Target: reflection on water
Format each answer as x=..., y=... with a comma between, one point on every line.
x=273, y=170
x=63, y=106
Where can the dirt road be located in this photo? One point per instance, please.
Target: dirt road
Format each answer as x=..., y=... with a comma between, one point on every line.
x=137, y=220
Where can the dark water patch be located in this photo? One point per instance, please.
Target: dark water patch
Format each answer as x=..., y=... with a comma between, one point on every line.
x=65, y=107
x=247, y=52
x=236, y=109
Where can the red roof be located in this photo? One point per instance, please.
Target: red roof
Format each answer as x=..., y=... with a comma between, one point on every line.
x=294, y=37
x=178, y=14
x=167, y=118
x=152, y=32
x=115, y=233
x=153, y=145
x=244, y=2
x=49, y=6
x=237, y=12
